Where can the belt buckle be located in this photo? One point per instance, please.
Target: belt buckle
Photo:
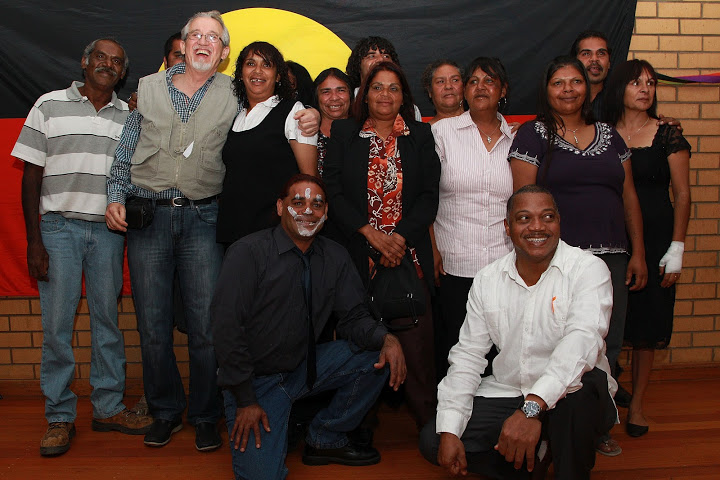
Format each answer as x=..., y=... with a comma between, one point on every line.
x=177, y=199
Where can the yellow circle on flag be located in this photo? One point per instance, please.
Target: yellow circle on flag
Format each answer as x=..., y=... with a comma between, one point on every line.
x=298, y=38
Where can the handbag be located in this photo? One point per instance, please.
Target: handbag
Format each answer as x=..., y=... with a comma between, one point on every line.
x=394, y=293
x=139, y=212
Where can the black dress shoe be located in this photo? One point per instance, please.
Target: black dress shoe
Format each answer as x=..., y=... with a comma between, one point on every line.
x=207, y=437
x=350, y=454
x=160, y=431
x=623, y=397
x=636, y=430
x=361, y=436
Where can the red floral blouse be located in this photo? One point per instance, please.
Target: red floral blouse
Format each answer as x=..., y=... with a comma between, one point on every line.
x=385, y=179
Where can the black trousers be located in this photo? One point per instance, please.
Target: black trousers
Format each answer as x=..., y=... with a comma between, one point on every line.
x=452, y=300
x=571, y=430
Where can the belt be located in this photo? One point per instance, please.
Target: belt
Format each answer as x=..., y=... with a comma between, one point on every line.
x=184, y=201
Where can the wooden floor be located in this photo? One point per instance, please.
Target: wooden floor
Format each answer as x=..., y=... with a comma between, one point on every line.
x=683, y=443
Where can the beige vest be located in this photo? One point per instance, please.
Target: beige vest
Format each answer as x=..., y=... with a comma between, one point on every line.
x=187, y=156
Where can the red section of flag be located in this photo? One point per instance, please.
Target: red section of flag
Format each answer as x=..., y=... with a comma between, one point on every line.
x=14, y=278
x=509, y=118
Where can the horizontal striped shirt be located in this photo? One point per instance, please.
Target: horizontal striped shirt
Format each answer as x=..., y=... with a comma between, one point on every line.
x=75, y=145
x=474, y=188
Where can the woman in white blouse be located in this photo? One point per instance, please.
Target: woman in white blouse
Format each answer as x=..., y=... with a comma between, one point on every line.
x=475, y=184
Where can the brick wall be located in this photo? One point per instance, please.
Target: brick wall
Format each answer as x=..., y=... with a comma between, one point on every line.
x=678, y=38
x=683, y=38
x=21, y=345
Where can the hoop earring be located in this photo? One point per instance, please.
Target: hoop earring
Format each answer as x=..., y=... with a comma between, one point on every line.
x=502, y=103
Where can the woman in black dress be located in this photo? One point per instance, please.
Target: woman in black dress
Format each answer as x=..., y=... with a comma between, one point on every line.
x=265, y=145
x=660, y=156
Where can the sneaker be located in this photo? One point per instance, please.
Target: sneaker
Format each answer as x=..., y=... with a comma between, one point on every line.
x=127, y=422
x=207, y=437
x=141, y=407
x=161, y=430
x=56, y=440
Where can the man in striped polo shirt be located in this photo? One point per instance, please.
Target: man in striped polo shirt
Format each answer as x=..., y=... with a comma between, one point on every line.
x=68, y=144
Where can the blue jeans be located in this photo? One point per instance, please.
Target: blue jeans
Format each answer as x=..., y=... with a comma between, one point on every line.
x=339, y=366
x=75, y=247
x=182, y=239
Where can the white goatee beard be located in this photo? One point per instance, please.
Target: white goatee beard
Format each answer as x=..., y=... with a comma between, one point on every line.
x=201, y=66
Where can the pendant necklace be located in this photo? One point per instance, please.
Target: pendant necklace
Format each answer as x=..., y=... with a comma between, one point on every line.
x=565, y=130
x=636, y=131
x=575, y=136
x=489, y=137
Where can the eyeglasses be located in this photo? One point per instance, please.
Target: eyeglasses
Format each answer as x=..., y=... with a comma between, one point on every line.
x=210, y=37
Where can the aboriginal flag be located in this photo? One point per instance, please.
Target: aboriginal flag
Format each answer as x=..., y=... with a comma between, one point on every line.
x=41, y=44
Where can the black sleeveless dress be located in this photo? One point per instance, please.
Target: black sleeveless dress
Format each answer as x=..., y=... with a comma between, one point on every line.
x=650, y=311
x=258, y=162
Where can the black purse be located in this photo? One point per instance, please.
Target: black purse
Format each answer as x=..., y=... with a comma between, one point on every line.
x=395, y=293
x=139, y=212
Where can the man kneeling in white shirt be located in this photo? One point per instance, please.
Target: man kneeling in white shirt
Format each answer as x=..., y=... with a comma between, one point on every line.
x=546, y=306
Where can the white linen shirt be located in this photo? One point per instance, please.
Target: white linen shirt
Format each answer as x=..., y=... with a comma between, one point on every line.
x=548, y=335
x=246, y=120
x=474, y=188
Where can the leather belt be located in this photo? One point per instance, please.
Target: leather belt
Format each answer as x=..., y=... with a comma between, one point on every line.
x=184, y=201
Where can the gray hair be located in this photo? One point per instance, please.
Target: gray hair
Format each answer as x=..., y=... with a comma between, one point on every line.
x=215, y=15
x=91, y=48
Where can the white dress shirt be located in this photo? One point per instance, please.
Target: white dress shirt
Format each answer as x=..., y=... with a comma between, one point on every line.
x=474, y=188
x=246, y=120
x=548, y=335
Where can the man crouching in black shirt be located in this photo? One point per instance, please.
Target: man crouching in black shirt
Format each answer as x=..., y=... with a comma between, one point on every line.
x=276, y=291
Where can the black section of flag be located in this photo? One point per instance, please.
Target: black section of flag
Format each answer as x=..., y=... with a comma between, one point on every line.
x=41, y=41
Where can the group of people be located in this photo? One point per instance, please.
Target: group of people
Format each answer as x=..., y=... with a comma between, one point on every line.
x=267, y=217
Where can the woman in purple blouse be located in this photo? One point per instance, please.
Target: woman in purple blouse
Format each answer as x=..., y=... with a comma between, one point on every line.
x=586, y=166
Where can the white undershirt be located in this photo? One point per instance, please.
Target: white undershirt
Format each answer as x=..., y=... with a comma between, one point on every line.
x=247, y=120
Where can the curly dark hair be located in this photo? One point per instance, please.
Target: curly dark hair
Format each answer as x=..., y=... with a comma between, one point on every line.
x=362, y=47
x=427, y=75
x=626, y=72
x=270, y=54
x=360, y=110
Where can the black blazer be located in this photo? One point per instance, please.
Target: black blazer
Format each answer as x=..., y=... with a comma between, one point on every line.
x=345, y=173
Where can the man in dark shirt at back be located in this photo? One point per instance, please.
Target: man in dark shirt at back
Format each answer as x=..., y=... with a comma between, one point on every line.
x=265, y=340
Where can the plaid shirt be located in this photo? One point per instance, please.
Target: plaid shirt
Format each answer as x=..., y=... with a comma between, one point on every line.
x=119, y=186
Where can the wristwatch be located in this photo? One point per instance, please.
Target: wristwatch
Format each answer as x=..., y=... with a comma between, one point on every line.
x=531, y=409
